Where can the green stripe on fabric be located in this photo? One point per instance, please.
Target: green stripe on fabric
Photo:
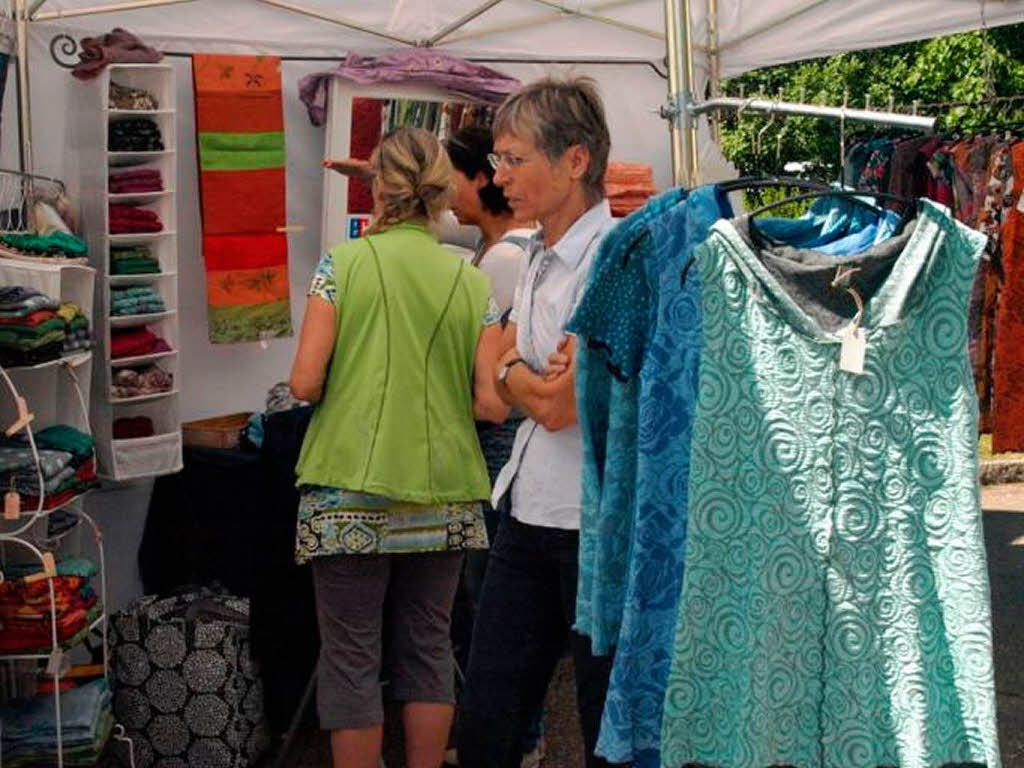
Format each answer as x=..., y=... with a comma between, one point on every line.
x=241, y=151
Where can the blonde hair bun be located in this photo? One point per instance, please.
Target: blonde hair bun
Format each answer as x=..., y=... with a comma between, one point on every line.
x=412, y=177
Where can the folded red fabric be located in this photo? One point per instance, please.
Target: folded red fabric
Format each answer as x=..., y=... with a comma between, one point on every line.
x=34, y=318
x=131, y=427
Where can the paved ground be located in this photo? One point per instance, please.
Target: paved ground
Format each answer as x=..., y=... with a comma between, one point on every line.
x=1004, y=536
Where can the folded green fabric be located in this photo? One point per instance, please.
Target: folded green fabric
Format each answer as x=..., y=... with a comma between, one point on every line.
x=132, y=252
x=55, y=242
x=61, y=437
x=241, y=151
x=142, y=267
x=30, y=331
x=13, y=341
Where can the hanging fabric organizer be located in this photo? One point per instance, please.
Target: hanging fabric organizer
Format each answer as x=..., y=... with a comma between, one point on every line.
x=240, y=127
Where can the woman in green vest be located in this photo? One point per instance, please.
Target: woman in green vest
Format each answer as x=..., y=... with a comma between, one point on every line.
x=397, y=350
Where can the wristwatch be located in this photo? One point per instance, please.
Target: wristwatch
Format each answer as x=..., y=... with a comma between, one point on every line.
x=503, y=371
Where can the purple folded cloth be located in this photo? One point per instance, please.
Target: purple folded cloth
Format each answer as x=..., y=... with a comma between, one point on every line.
x=450, y=73
x=116, y=47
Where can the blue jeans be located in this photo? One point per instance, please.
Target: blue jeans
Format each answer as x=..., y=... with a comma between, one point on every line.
x=523, y=624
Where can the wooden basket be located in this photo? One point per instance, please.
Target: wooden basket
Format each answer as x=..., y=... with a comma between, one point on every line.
x=216, y=432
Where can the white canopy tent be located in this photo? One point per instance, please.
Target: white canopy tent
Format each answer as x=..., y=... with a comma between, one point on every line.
x=728, y=37
x=707, y=39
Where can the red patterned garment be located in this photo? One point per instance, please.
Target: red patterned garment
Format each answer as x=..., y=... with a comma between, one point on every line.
x=1008, y=373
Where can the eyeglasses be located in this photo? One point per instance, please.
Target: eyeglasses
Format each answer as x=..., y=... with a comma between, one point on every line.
x=509, y=161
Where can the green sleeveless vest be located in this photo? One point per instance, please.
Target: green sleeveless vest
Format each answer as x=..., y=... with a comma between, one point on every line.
x=396, y=418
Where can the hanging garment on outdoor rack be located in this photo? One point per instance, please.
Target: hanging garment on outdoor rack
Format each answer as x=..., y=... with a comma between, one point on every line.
x=835, y=610
x=633, y=510
x=1008, y=372
x=641, y=278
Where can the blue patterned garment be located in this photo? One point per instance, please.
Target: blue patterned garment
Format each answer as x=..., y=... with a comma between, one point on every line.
x=666, y=353
x=835, y=611
x=612, y=322
x=666, y=357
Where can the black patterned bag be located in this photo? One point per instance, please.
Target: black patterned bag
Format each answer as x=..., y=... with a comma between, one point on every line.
x=185, y=687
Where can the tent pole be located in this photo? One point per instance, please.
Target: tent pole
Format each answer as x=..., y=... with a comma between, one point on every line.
x=461, y=22
x=24, y=100
x=689, y=120
x=680, y=54
x=673, y=110
x=128, y=5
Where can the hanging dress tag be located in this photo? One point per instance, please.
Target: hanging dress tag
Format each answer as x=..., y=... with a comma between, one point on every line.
x=12, y=505
x=853, y=350
x=55, y=664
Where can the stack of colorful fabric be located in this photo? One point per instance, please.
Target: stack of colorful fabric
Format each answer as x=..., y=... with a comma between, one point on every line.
x=133, y=260
x=140, y=134
x=133, y=342
x=135, y=300
x=30, y=330
x=135, y=180
x=77, y=337
x=128, y=219
x=30, y=729
x=628, y=186
x=66, y=459
x=25, y=618
x=151, y=380
x=123, y=97
x=54, y=245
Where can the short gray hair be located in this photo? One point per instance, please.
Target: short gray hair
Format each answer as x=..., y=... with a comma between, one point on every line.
x=556, y=114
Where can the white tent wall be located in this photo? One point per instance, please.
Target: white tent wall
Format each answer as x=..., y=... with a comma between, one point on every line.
x=218, y=379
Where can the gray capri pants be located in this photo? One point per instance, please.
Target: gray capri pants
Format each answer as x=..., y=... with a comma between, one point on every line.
x=359, y=598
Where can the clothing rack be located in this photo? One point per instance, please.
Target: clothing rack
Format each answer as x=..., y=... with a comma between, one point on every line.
x=775, y=107
x=685, y=172
x=683, y=109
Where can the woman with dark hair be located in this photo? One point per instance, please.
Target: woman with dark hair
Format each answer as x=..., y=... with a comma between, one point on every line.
x=478, y=202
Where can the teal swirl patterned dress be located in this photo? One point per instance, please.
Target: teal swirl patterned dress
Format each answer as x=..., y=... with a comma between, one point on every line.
x=835, y=609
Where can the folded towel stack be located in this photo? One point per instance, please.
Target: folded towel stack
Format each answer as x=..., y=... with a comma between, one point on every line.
x=30, y=730
x=31, y=332
x=132, y=427
x=132, y=260
x=139, y=134
x=66, y=459
x=133, y=342
x=628, y=186
x=135, y=300
x=77, y=337
x=56, y=245
x=128, y=219
x=135, y=180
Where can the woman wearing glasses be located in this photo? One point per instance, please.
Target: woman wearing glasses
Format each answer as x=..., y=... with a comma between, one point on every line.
x=397, y=349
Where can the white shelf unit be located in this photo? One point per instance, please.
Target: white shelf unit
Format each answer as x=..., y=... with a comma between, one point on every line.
x=56, y=392
x=161, y=453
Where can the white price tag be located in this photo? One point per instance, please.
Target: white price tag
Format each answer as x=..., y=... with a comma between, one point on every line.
x=55, y=664
x=853, y=350
x=12, y=505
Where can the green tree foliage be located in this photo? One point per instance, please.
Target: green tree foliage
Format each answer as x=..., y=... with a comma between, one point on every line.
x=971, y=67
